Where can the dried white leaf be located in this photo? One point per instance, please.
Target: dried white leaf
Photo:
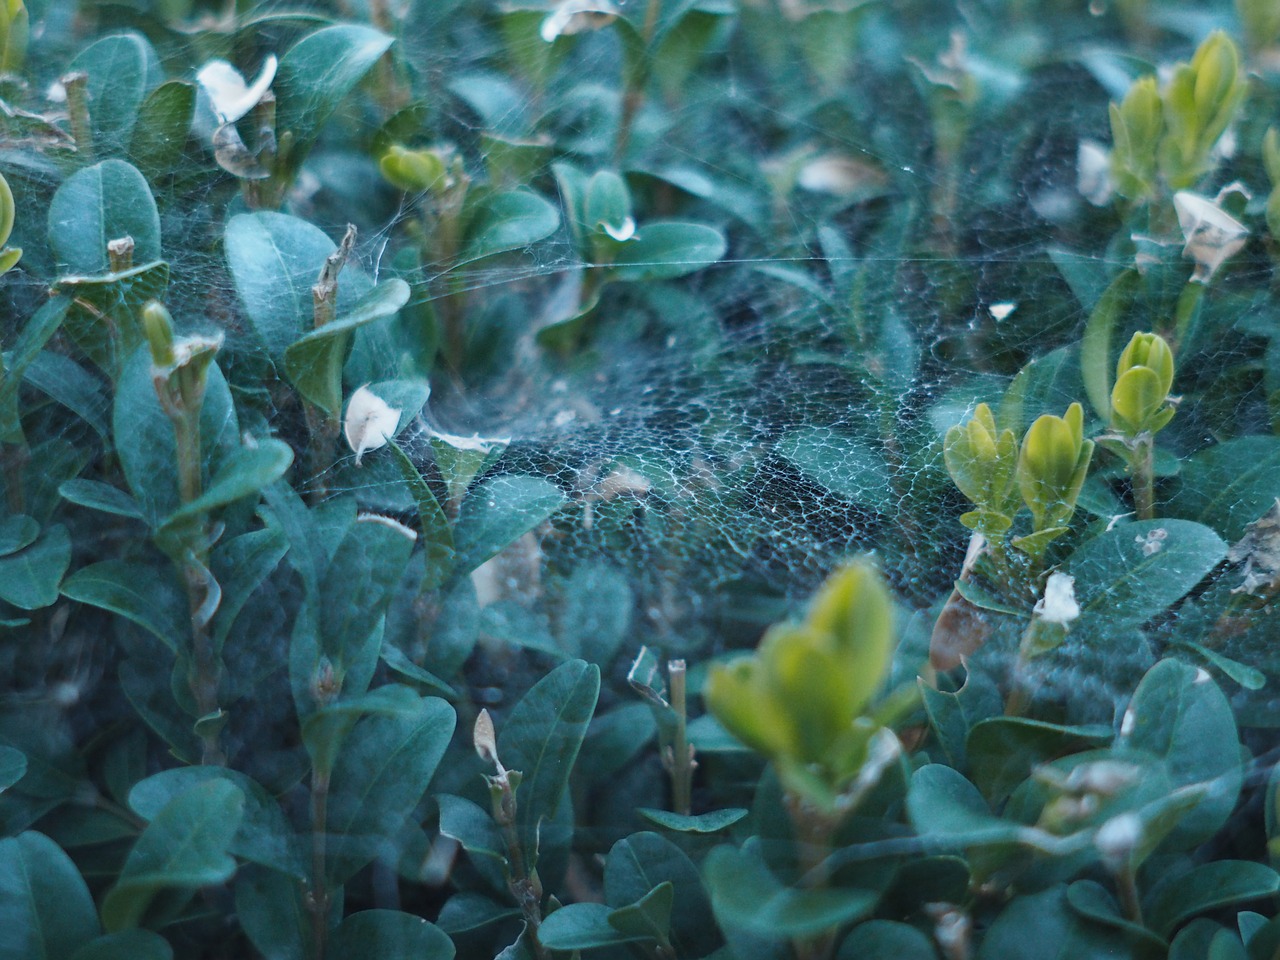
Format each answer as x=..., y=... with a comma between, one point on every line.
x=622, y=232
x=577, y=16
x=227, y=90
x=1093, y=173
x=1212, y=235
x=1059, y=602
x=369, y=423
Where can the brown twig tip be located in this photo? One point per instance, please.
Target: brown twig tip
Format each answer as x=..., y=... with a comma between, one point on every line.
x=485, y=740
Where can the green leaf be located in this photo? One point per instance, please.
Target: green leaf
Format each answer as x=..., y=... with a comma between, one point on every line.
x=541, y=739
x=1230, y=484
x=34, y=335
x=315, y=76
x=497, y=513
x=145, y=440
x=844, y=465
x=401, y=665
x=182, y=849
x=1248, y=677
x=30, y=577
x=464, y=912
x=745, y=894
x=146, y=595
x=275, y=260
x=437, y=537
x=1133, y=572
x=100, y=496
x=240, y=565
x=273, y=914
x=64, y=381
x=650, y=916
x=941, y=802
x=314, y=362
x=643, y=862
x=126, y=945
x=13, y=767
x=122, y=67
x=886, y=940
x=244, y=472
x=508, y=221
x=381, y=775
x=1207, y=887
x=164, y=122
x=1092, y=900
x=1205, y=940
x=389, y=935
x=17, y=532
x=1179, y=714
x=46, y=911
x=596, y=617
x=1097, y=365
x=1002, y=751
x=583, y=926
x=712, y=822
x=97, y=205
x=324, y=730
x=264, y=836
x=474, y=828
x=663, y=251
x=1041, y=926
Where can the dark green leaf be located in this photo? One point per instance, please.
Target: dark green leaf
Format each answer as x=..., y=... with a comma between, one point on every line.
x=509, y=221
x=844, y=465
x=126, y=945
x=1002, y=751
x=1248, y=677
x=497, y=513
x=46, y=912
x=644, y=861
x=183, y=848
x=437, y=536
x=944, y=803
x=271, y=909
x=1093, y=901
x=147, y=596
x=650, y=916
x=122, y=67
x=16, y=533
x=712, y=822
x=1133, y=572
x=582, y=926
x=1207, y=887
x=145, y=440
x=13, y=767
x=240, y=565
x=35, y=334
x=1230, y=484
x=264, y=836
x=245, y=472
x=747, y=895
x=97, y=205
x=541, y=738
x=30, y=578
x=1179, y=714
x=470, y=911
x=275, y=260
x=597, y=613
x=1040, y=926
x=164, y=121
x=381, y=775
x=97, y=495
x=314, y=362
x=315, y=76
x=886, y=940
x=1097, y=365
x=662, y=251
x=474, y=828
x=389, y=935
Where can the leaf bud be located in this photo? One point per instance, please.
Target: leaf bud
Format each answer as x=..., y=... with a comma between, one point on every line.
x=1144, y=376
x=1052, y=465
x=8, y=255
x=413, y=170
x=982, y=461
x=157, y=324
